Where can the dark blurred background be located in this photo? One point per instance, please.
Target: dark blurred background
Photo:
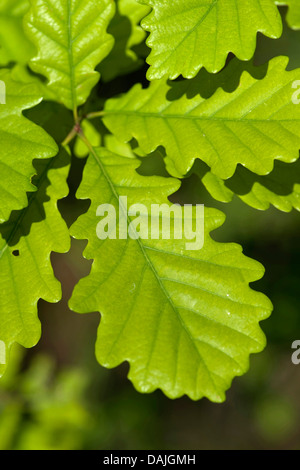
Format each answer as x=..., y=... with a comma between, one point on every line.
x=56, y=396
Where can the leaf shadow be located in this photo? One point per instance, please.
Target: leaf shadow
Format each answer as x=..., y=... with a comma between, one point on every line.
x=205, y=84
x=20, y=222
x=287, y=45
x=121, y=30
x=53, y=117
x=280, y=181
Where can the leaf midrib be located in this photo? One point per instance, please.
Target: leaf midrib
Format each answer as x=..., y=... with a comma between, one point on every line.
x=70, y=58
x=191, y=117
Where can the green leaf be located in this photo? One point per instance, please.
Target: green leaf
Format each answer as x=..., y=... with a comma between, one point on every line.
x=21, y=142
x=253, y=125
x=186, y=35
x=293, y=15
x=71, y=39
x=127, y=34
x=26, y=242
x=14, y=44
x=281, y=188
x=186, y=321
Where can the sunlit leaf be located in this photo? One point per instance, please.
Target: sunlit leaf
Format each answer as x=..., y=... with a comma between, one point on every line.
x=253, y=125
x=21, y=142
x=26, y=242
x=71, y=39
x=186, y=35
x=186, y=321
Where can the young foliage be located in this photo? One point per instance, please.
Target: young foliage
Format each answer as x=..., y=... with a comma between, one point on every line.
x=71, y=40
x=21, y=142
x=26, y=242
x=186, y=35
x=253, y=126
x=185, y=320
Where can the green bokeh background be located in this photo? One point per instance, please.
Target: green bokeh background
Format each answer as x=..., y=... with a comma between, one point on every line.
x=56, y=396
